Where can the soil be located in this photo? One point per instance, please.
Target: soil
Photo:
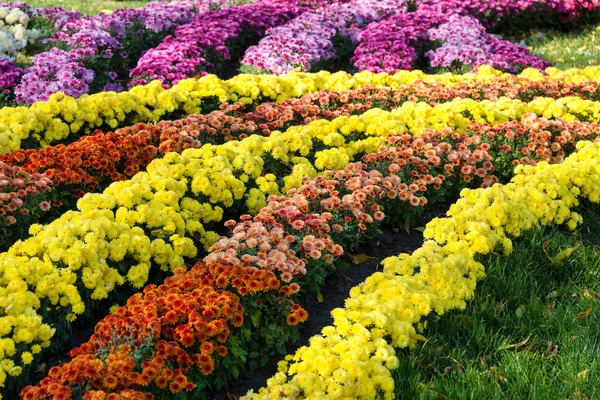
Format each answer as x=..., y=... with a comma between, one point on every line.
x=335, y=291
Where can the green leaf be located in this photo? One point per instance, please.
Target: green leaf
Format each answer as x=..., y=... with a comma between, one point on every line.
x=563, y=255
x=255, y=318
x=320, y=298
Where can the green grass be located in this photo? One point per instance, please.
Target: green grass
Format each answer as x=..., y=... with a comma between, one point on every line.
x=575, y=49
x=87, y=6
x=531, y=331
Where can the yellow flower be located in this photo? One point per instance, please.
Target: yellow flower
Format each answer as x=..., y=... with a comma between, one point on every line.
x=26, y=357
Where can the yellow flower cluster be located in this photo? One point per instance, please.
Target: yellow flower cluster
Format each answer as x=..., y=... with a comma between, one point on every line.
x=352, y=359
x=458, y=113
x=53, y=120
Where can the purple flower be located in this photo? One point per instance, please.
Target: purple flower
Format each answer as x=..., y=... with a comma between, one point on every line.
x=53, y=71
x=182, y=54
x=113, y=87
x=466, y=42
x=101, y=34
x=306, y=40
x=9, y=75
x=390, y=45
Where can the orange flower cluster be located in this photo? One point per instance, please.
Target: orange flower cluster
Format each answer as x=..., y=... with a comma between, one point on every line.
x=431, y=157
x=352, y=191
x=233, y=121
x=101, y=158
x=150, y=345
x=258, y=244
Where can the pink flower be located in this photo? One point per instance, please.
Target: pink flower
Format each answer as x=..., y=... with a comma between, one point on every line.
x=45, y=206
x=298, y=224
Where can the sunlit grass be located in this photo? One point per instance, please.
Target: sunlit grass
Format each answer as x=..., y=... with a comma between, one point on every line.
x=531, y=331
x=574, y=49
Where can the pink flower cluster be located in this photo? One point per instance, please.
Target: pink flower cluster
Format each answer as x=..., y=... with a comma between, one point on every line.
x=58, y=16
x=465, y=42
x=391, y=45
x=184, y=54
x=306, y=40
x=9, y=75
x=17, y=189
x=102, y=35
x=53, y=71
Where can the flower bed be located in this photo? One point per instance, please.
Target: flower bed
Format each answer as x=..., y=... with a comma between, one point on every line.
x=79, y=54
x=196, y=46
x=194, y=189
x=297, y=237
x=93, y=162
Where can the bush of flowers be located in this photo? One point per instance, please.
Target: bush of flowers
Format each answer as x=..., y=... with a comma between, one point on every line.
x=14, y=32
x=466, y=43
x=198, y=45
x=393, y=44
x=309, y=39
x=23, y=197
x=101, y=49
x=401, y=41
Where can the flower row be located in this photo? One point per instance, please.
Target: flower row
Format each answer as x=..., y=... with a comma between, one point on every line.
x=62, y=116
x=354, y=357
